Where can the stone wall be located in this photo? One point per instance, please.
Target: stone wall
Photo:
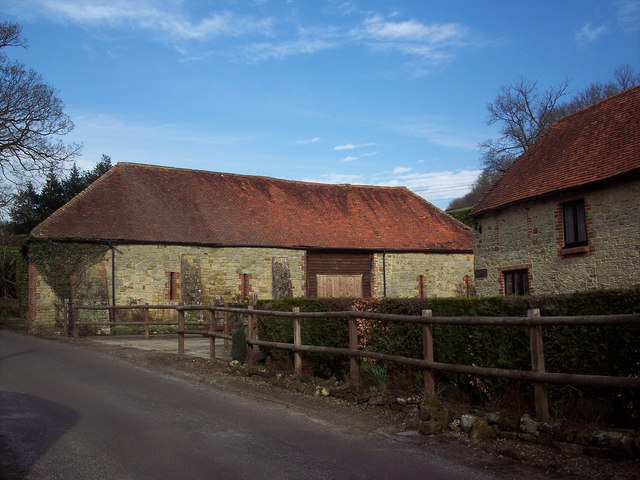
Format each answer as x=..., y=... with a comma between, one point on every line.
x=529, y=235
x=150, y=274
x=422, y=274
x=171, y=274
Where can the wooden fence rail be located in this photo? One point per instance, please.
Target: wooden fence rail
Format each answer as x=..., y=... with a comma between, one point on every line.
x=533, y=321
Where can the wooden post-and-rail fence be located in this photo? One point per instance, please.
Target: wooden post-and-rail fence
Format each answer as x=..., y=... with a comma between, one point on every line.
x=534, y=322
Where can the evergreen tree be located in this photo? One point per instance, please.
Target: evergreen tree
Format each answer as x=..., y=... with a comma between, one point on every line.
x=31, y=207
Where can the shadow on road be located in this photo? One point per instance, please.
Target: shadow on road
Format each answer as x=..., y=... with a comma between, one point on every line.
x=29, y=426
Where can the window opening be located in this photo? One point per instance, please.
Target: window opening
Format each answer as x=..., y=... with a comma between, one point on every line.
x=574, y=224
x=516, y=282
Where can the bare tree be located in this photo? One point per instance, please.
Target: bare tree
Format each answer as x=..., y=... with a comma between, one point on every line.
x=623, y=78
x=478, y=189
x=32, y=119
x=523, y=113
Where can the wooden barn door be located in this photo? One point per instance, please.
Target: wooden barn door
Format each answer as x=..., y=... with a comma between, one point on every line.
x=340, y=286
x=338, y=274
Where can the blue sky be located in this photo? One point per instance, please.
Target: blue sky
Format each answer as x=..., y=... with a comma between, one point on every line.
x=363, y=92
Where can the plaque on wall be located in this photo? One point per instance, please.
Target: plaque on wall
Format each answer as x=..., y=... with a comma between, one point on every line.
x=482, y=273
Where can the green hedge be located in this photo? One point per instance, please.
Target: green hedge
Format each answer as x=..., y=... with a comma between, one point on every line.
x=329, y=332
x=604, y=350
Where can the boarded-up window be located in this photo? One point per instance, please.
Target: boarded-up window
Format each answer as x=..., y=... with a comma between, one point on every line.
x=190, y=280
x=282, y=285
x=340, y=286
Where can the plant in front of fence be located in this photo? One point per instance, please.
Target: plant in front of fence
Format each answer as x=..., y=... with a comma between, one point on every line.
x=378, y=373
x=239, y=344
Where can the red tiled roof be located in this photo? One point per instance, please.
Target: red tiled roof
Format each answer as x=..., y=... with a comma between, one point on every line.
x=143, y=203
x=597, y=143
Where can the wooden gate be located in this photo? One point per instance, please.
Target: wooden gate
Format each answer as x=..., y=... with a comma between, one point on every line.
x=340, y=286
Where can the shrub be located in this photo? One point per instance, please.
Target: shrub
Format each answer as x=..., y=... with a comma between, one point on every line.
x=327, y=332
x=601, y=350
x=239, y=344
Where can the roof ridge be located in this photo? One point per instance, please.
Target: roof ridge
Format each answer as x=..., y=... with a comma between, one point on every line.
x=264, y=177
x=593, y=105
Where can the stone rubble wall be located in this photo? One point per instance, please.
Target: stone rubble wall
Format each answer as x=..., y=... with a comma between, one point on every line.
x=443, y=274
x=529, y=235
x=158, y=275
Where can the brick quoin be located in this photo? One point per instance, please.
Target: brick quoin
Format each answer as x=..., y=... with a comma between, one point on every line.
x=245, y=285
x=172, y=292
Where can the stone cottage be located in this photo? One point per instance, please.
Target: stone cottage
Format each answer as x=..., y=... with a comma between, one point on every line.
x=566, y=216
x=173, y=235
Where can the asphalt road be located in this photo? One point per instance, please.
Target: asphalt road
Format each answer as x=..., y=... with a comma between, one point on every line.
x=73, y=413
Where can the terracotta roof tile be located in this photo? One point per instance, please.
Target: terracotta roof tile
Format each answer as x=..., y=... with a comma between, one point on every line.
x=597, y=143
x=144, y=203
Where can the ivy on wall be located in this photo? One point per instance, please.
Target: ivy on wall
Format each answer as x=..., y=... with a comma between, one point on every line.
x=60, y=263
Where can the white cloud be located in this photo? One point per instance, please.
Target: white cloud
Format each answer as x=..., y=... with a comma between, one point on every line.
x=436, y=130
x=352, y=158
x=378, y=28
x=262, y=38
x=430, y=44
x=166, y=18
x=589, y=33
x=351, y=146
x=279, y=50
x=629, y=15
x=348, y=146
x=308, y=141
x=336, y=178
x=438, y=187
x=399, y=170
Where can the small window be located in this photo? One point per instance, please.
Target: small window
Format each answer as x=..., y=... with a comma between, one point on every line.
x=516, y=282
x=574, y=223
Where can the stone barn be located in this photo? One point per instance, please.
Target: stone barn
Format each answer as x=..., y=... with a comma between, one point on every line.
x=149, y=234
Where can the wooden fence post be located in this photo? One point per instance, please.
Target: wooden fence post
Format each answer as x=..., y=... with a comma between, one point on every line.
x=354, y=362
x=212, y=339
x=225, y=329
x=253, y=301
x=537, y=365
x=297, y=340
x=251, y=327
x=427, y=353
x=76, y=314
x=180, y=332
x=147, y=318
x=67, y=316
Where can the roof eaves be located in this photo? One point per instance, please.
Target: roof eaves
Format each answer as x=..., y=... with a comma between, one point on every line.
x=599, y=182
